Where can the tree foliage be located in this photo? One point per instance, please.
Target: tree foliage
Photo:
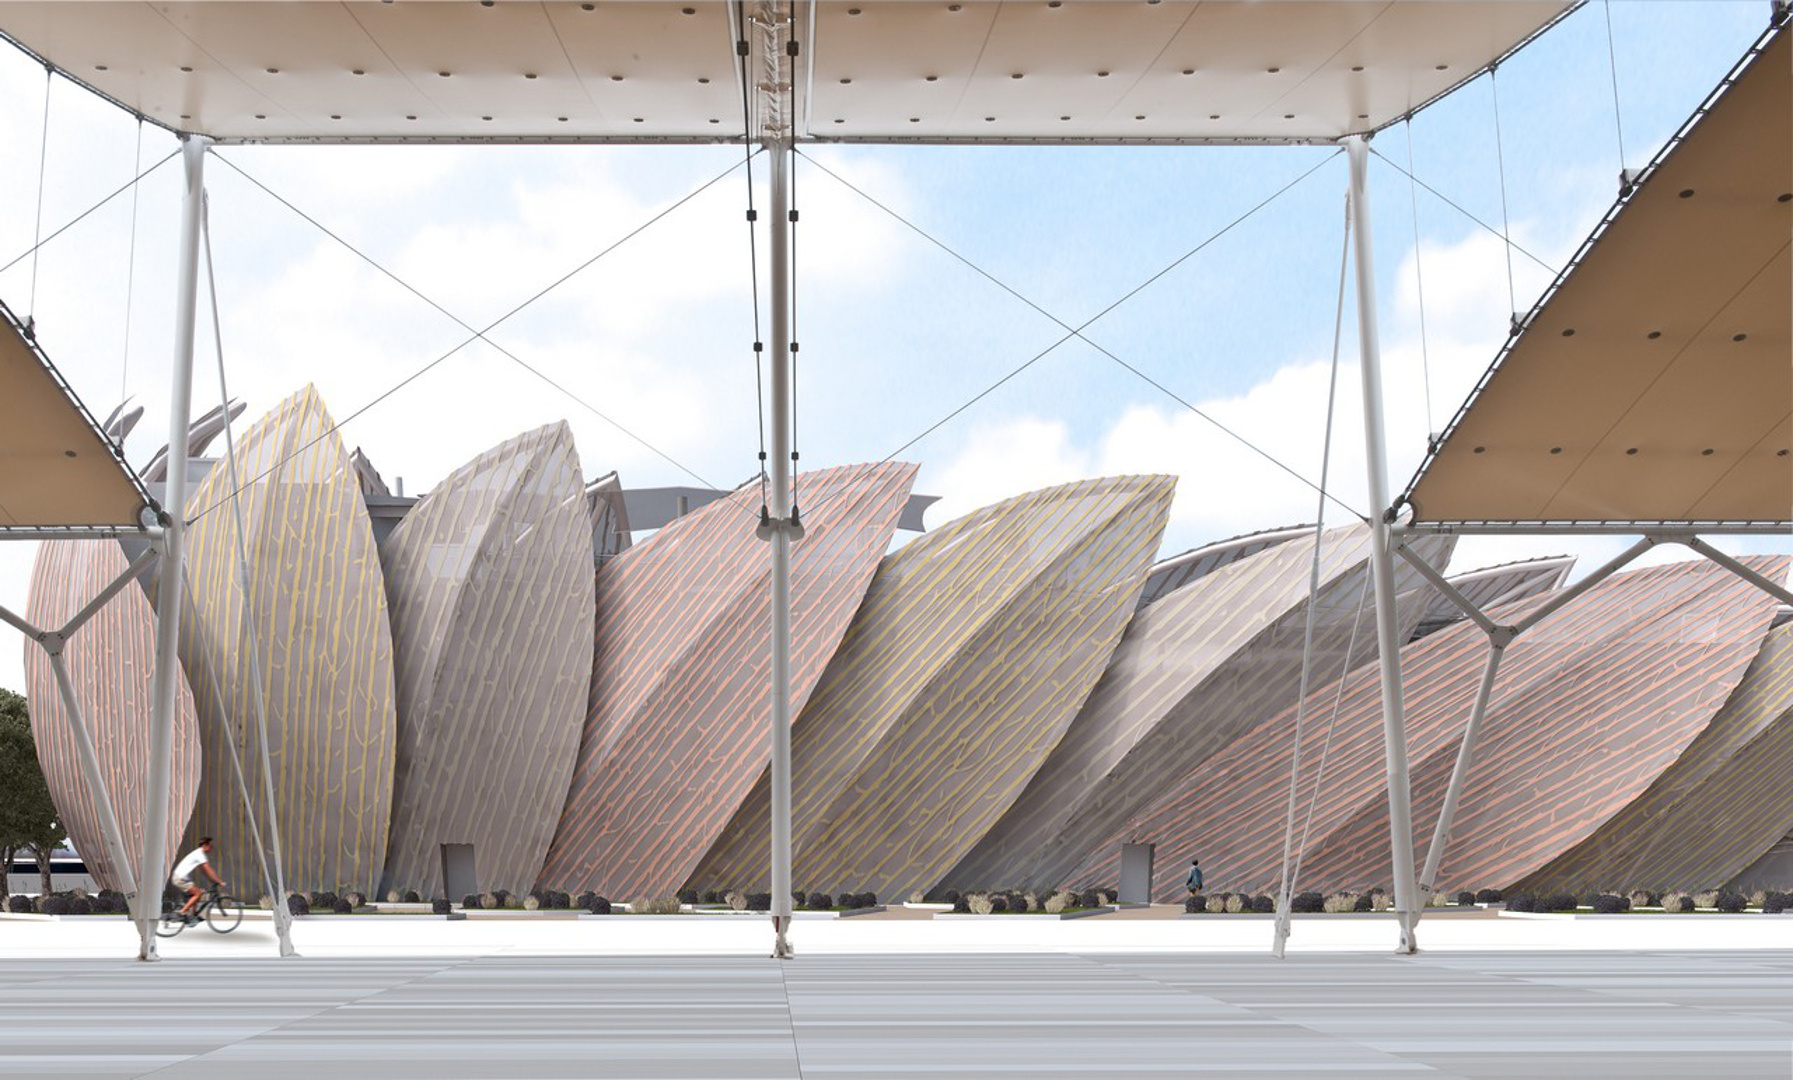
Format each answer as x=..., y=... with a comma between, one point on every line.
x=28, y=818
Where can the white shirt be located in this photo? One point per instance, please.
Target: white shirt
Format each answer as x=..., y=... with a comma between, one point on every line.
x=190, y=862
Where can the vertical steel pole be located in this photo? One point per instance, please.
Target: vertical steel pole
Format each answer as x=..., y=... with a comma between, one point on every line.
x=1394, y=725
x=777, y=152
x=1441, y=834
x=166, y=683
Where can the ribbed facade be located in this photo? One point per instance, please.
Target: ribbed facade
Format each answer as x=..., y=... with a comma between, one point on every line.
x=678, y=728
x=1726, y=799
x=1590, y=706
x=111, y=664
x=1171, y=574
x=974, y=647
x=489, y=585
x=318, y=607
x=1196, y=670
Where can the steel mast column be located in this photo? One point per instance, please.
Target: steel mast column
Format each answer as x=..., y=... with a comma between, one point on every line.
x=1394, y=724
x=166, y=683
x=778, y=155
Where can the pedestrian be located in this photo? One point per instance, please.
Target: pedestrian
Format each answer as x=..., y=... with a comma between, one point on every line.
x=1194, y=881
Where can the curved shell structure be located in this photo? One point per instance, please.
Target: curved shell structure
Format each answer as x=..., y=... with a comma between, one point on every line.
x=111, y=662
x=489, y=585
x=317, y=608
x=1590, y=706
x=1194, y=671
x=677, y=732
x=973, y=650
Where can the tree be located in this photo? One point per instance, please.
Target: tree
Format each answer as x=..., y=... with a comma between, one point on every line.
x=28, y=817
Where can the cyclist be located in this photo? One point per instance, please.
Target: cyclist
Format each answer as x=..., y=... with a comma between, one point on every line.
x=194, y=864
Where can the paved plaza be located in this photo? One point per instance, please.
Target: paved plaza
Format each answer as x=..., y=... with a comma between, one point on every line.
x=869, y=998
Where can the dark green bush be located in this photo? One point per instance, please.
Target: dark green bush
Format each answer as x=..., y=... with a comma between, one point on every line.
x=1774, y=902
x=56, y=904
x=440, y=906
x=1263, y=905
x=961, y=905
x=799, y=897
x=1521, y=902
x=323, y=901
x=80, y=905
x=342, y=906
x=1680, y=905
x=759, y=901
x=1195, y=905
x=1557, y=901
x=1466, y=899
x=411, y=897
x=867, y=899
x=1366, y=902
x=298, y=905
x=1608, y=904
x=470, y=902
x=711, y=896
x=1731, y=901
x=585, y=898
x=998, y=904
x=1487, y=896
x=688, y=896
x=597, y=905
x=19, y=904
x=1089, y=898
x=1307, y=902
x=819, y=901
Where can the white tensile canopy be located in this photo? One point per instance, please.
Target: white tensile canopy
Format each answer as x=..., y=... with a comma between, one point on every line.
x=865, y=70
x=1653, y=384
x=58, y=470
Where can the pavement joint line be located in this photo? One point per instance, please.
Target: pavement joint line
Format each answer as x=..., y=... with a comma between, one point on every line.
x=326, y=1008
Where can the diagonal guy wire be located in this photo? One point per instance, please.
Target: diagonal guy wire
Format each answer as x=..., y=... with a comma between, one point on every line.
x=477, y=334
x=1454, y=205
x=1077, y=331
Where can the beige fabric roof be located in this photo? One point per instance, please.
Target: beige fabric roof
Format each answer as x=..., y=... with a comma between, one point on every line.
x=1655, y=382
x=56, y=469
x=869, y=69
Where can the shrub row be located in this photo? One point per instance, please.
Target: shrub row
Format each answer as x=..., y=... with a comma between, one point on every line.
x=71, y=902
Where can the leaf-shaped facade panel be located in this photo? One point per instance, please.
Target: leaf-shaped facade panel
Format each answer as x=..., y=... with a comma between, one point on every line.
x=1604, y=700
x=489, y=585
x=317, y=609
x=1723, y=802
x=1590, y=706
x=974, y=647
x=1194, y=671
x=111, y=664
x=680, y=711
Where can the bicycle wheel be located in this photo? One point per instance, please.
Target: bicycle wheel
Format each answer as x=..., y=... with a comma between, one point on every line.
x=172, y=923
x=224, y=915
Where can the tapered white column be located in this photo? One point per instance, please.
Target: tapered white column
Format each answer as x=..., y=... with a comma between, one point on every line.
x=166, y=685
x=1394, y=724
x=777, y=152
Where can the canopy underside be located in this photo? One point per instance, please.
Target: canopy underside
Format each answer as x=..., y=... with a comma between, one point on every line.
x=1654, y=381
x=868, y=70
x=57, y=470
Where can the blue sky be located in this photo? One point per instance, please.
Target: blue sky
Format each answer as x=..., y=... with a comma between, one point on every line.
x=895, y=333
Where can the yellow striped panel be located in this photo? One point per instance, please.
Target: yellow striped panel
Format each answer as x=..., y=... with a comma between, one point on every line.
x=318, y=607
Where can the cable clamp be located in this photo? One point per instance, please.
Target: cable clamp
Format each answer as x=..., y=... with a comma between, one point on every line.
x=793, y=217
x=759, y=346
x=752, y=215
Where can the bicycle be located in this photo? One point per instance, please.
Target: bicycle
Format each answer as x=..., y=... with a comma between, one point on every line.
x=220, y=912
